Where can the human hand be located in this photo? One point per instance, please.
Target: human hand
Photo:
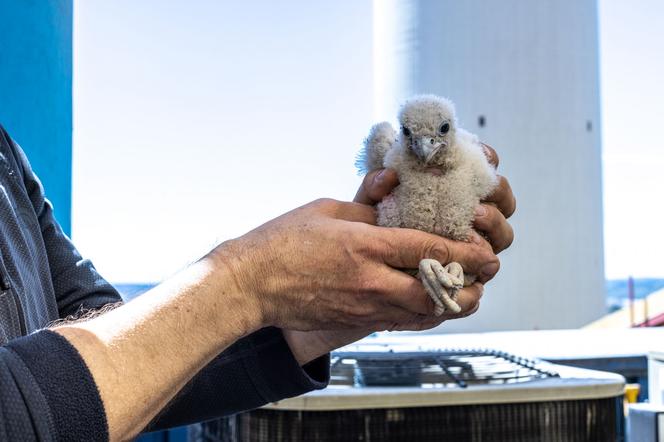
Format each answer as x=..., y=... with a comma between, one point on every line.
x=492, y=222
x=492, y=214
x=327, y=266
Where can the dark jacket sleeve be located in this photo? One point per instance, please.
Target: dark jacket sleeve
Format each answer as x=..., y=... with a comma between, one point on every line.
x=77, y=284
x=252, y=372
x=47, y=392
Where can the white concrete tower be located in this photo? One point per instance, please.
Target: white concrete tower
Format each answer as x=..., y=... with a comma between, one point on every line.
x=525, y=77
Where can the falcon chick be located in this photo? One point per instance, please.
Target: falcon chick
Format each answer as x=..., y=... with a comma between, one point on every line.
x=443, y=174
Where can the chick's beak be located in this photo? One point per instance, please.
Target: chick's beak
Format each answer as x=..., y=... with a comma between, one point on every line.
x=429, y=147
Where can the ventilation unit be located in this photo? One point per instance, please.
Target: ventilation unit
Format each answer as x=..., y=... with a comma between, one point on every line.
x=383, y=393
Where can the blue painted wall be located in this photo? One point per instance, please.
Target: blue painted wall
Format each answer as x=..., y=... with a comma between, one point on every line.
x=36, y=90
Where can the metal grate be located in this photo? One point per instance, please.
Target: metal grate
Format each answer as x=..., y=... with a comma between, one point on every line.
x=447, y=368
x=597, y=420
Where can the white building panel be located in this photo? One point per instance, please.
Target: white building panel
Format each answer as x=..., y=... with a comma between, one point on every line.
x=530, y=70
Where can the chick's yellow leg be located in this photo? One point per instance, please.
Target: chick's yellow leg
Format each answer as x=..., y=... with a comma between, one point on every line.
x=442, y=283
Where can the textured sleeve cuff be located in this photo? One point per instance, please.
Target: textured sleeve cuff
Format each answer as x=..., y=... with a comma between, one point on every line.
x=277, y=374
x=66, y=383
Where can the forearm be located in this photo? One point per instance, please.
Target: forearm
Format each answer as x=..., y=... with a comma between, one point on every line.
x=141, y=354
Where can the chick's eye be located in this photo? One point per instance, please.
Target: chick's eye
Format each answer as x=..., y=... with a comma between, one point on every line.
x=444, y=128
x=405, y=131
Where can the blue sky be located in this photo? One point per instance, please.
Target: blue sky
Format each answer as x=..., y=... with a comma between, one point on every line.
x=160, y=86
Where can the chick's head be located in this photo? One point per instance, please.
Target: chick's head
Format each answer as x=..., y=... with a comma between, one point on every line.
x=428, y=128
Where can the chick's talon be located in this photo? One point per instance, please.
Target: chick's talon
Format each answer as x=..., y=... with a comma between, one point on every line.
x=456, y=274
x=442, y=284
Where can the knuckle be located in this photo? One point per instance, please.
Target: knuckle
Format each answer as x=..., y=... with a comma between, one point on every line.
x=370, y=310
x=471, y=256
x=494, y=217
x=326, y=203
x=438, y=249
x=367, y=212
x=369, y=288
x=480, y=252
x=358, y=313
x=503, y=183
x=365, y=243
x=387, y=246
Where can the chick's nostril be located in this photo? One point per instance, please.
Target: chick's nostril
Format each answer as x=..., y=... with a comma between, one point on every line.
x=432, y=141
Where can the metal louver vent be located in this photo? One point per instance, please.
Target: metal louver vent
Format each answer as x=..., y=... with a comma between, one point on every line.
x=446, y=368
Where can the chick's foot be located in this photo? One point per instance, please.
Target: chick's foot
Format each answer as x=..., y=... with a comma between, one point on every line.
x=442, y=283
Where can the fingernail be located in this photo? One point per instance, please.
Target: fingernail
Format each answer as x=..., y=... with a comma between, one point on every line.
x=490, y=269
x=480, y=287
x=480, y=210
x=380, y=177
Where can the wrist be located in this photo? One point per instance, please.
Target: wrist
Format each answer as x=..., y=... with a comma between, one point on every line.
x=304, y=345
x=226, y=274
x=310, y=345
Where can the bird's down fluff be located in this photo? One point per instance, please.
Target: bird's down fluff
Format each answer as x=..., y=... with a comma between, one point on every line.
x=443, y=170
